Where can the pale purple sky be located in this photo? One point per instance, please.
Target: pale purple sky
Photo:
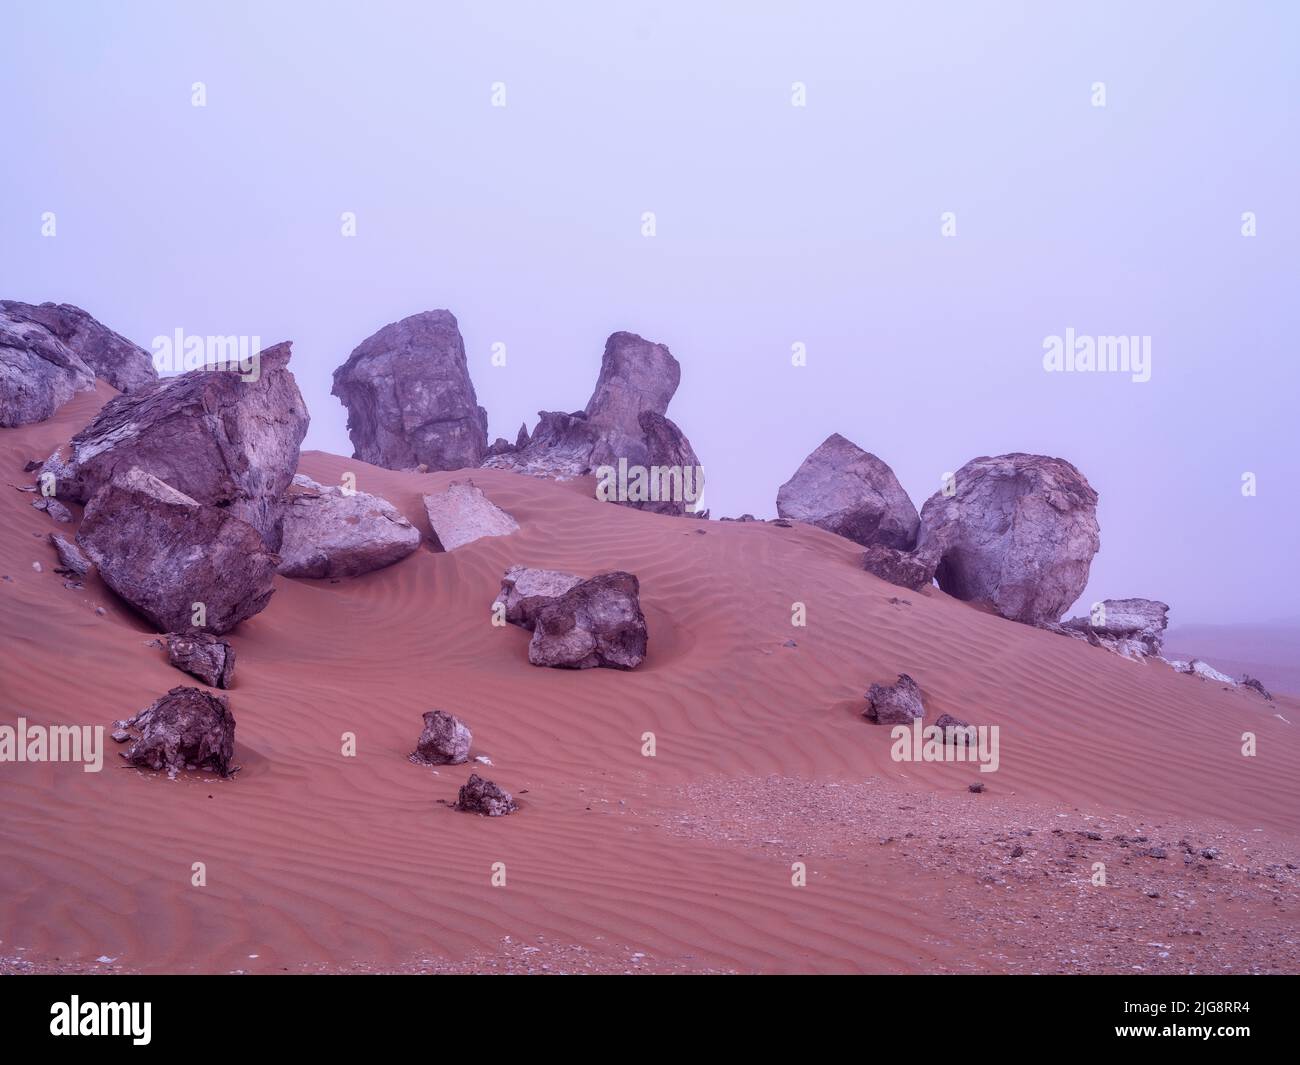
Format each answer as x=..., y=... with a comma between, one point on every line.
x=776, y=225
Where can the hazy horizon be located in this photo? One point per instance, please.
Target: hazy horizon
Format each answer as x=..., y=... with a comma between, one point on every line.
x=776, y=225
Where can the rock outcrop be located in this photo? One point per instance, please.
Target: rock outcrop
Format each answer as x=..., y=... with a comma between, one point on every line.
x=202, y=655
x=328, y=532
x=597, y=622
x=1199, y=668
x=1019, y=533
x=409, y=397
x=525, y=591
x=625, y=422
x=896, y=704
x=444, y=740
x=164, y=552
x=1133, y=628
x=462, y=514
x=211, y=435
x=50, y=352
x=850, y=492
x=188, y=728
x=479, y=796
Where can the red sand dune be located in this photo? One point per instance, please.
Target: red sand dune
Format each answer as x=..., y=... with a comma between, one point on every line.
x=619, y=862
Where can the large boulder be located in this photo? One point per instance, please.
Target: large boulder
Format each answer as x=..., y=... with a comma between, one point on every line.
x=164, y=552
x=409, y=397
x=850, y=492
x=211, y=435
x=1128, y=626
x=1018, y=533
x=124, y=365
x=525, y=591
x=461, y=514
x=202, y=655
x=444, y=740
x=188, y=728
x=597, y=622
x=623, y=425
x=329, y=532
x=38, y=373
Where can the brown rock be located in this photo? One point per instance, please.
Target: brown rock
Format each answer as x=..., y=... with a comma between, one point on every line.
x=479, y=796
x=445, y=740
x=202, y=655
x=595, y=623
x=330, y=533
x=897, y=704
x=188, y=728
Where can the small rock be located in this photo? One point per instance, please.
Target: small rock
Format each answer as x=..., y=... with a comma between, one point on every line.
x=977, y=787
x=202, y=655
x=444, y=741
x=481, y=796
x=898, y=704
x=188, y=728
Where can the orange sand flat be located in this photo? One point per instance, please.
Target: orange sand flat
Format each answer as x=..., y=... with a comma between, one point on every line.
x=616, y=861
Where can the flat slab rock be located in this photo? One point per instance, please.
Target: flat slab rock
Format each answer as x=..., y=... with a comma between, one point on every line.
x=479, y=796
x=188, y=728
x=202, y=655
x=328, y=532
x=461, y=514
x=445, y=740
x=525, y=591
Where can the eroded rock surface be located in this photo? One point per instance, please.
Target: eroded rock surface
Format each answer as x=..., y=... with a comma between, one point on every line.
x=597, y=622
x=110, y=356
x=444, y=740
x=525, y=591
x=462, y=514
x=202, y=655
x=896, y=704
x=479, y=796
x=188, y=728
x=328, y=532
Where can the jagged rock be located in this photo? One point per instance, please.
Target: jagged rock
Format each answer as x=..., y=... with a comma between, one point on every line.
x=445, y=740
x=1247, y=681
x=462, y=514
x=909, y=569
x=521, y=438
x=850, y=492
x=209, y=434
x=410, y=399
x=479, y=796
x=597, y=622
x=124, y=365
x=898, y=704
x=188, y=728
x=623, y=426
x=1126, y=626
x=72, y=561
x=163, y=552
x=328, y=532
x=38, y=373
x=1019, y=533
x=1199, y=668
x=202, y=655
x=525, y=591
x=56, y=510
x=500, y=446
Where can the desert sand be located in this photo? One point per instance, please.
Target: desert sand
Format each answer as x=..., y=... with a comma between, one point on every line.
x=618, y=862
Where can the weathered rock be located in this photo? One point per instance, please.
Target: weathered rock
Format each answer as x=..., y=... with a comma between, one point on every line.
x=1019, y=533
x=56, y=510
x=202, y=655
x=597, y=622
x=850, y=492
x=525, y=591
x=462, y=514
x=209, y=434
x=479, y=796
x=898, y=704
x=328, y=532
x=124, y=365
x=410, y=399
x=909, y=569
x=1247, y=681
x=188, y=728
x=956, y=731
x=1125, y=625
x=72, y=560
x=38, y=373
x=623, y=426
x=445, y=740
x=1199, y=668
x=163, y=552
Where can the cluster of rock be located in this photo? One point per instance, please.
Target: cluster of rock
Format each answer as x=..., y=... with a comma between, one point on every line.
x=50, y=352
x=576, y=623
x=901, y=703
x=1134, y=628
x=625, y=419
x=445, y=740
